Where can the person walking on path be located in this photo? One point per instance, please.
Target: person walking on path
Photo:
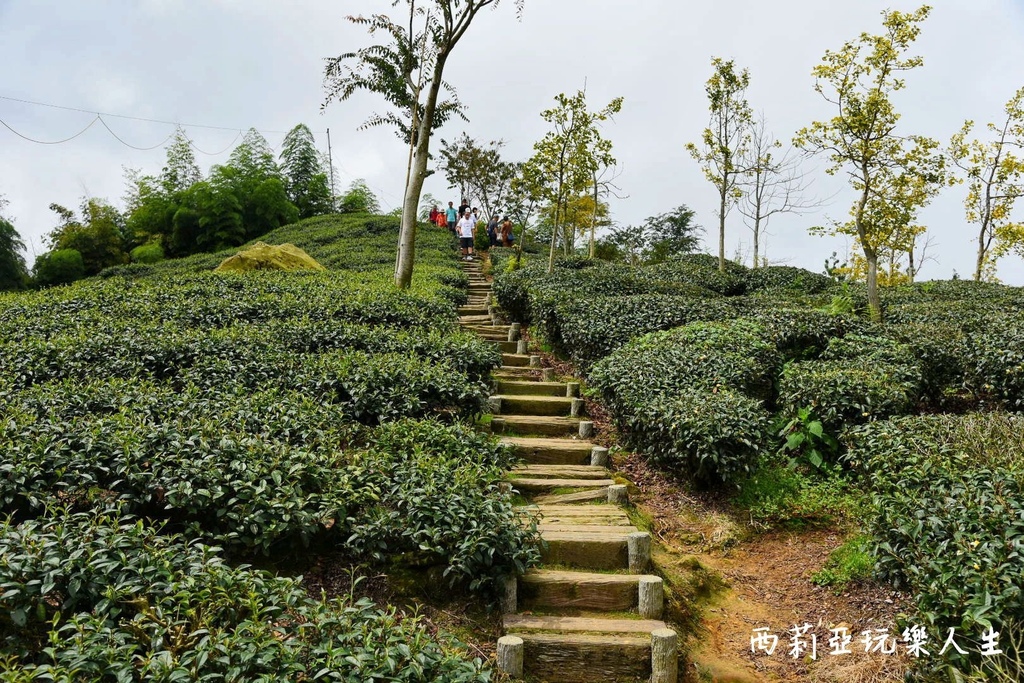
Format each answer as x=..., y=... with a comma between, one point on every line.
x=452, y=215
x=467, y=231
x=433, y=215
x=441, y=220
x=492, y=231
x=507, y=238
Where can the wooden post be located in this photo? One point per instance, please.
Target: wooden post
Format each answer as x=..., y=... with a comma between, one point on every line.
x=586, y=429
x=521, y=346
x=547, y=375
x=497, y=425
x=510, y=655
x=572, y=390
x=514, y=331
x=664, y=656
x=510, y=595
x=651, y=598
x=577, y=407
x=494, y=403
x=639, y=546
x=534, y=361
x=617, y=494
x=599, y=456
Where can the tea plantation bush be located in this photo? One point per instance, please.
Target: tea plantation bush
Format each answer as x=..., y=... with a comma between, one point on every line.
x=269, y=413
x=694, y=396
x=948, y=496
x=102, y=597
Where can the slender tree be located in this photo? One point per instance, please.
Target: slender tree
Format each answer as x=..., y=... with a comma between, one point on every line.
x=725, y=140
x=565, y=159
x=409, y=73
x=478, y=171
x=773, y=183
x=891, y=180
x=994, y=181
x=181, y=171
x=13, y=271
x=306, y=178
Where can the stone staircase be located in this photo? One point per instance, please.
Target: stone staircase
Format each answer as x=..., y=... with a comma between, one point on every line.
x=592, y=613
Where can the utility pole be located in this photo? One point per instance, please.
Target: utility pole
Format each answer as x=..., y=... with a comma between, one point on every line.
x=330, y=162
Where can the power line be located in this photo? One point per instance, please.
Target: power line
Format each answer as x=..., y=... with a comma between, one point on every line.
x=51, y=142
x=133, y=118
x=141, y=149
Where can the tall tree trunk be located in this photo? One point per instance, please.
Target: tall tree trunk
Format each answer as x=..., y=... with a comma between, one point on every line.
x=874, y=301
x=554, y=238
x=981, y=253
x=721, y=225
x=593, y=223
x=757, y=239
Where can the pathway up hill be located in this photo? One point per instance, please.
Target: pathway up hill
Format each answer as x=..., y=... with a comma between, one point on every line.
x=592, y=612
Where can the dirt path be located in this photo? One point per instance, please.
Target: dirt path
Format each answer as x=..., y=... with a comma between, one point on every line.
x=732, y=581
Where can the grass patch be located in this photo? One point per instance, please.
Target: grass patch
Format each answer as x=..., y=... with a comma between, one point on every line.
x=850, y=562
x=779, y=497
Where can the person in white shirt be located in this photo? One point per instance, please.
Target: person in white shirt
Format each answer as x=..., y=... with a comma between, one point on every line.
x=467, y=231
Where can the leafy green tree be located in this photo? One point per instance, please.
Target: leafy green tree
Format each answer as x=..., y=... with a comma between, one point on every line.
x=58, y=267
x=566, y=158
x=627, y=243
x=891, y=180
x=359, y=199
x=149, y=210
x=13, y=271
x=306, y=180
x=725, y=140
x=209, y=219
x=994, y=183
x=408, y=72
x=181, y=171
x=670, y=234
x=478, y=171
x=254, y=178
x=97, y=236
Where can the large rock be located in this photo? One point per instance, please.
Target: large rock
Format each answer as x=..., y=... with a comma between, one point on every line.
x=262, y=256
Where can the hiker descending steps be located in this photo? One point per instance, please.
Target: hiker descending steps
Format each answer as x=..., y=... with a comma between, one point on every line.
x=592, y=613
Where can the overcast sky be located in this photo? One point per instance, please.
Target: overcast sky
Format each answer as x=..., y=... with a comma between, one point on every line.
x=259, y=63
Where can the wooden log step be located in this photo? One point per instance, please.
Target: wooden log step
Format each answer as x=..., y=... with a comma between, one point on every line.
x=531, y=388
x=548, y=520
x=520, y=623
x=579, y=658
x=605, y=550
x=581, y=497
x=603, y=510
x=506, y=347
x=524, y=485
x=533, y=424
x=474, y=319
x=519, y=373
x=519, y=404
x=579, y=590
x=551, y=451
x=561, y=472
x=515, y=360
x=469, y=310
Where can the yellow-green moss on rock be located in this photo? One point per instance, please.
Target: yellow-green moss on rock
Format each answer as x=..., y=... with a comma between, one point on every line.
x=262, y=256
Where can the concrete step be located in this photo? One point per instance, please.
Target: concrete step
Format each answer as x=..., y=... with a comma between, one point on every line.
x=504, y=345
x=551, y=451
x=530, y=486
x=595, y=515
x=522, y=623
x=515, y=360
x=521, y=404
x=547, y=589
x=567, y=498
x=582, y=658
x=599, y=550
x=532, y=388
x=526, y=425
x=561, y=472
x=474, y=319
x=467, y=311
x=517, y=373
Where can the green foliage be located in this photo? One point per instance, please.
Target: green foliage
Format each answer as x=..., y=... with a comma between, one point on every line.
x=948, y=497
x=807, y=442
x=306, y=179
x=148, y=253
x=103, y=597
x=359, y=199
x=849, y=563
x=787, y=278
x=995, y=360
x=13, y=272
x=98, y=236
x=693, y=397
x=778, y=495
x=671, y=234
x=58, y=267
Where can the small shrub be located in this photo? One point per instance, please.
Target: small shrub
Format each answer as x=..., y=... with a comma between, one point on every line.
x=849, y=563
x=148, y=253
x=58, y=267
x=777, y=495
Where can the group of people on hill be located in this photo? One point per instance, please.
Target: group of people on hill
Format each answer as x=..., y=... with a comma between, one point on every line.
x=462, y=223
